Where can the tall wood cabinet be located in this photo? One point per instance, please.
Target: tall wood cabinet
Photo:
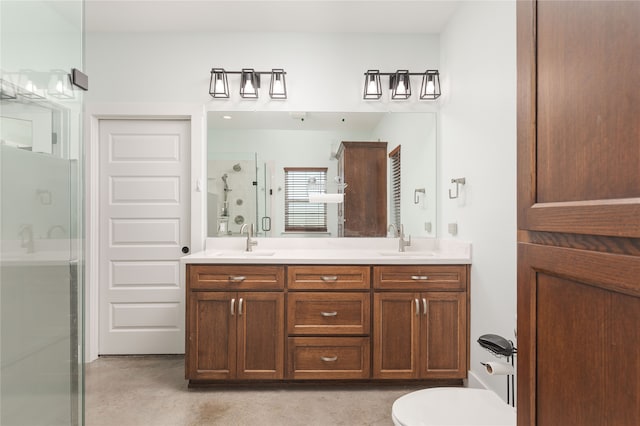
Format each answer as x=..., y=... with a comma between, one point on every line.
x=363, y=167
x=578, y=213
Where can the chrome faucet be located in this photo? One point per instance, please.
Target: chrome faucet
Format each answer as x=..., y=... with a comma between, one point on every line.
x=26, y=238
x=401, y=241
x=250, y=241
x=399, y=232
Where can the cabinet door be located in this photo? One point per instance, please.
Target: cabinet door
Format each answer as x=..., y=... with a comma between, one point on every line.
x=443, y=335
x=396, y=328
x=260, y=336
x=212, y=336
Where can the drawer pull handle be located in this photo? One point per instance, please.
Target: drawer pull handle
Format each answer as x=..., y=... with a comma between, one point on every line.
x=237, y=279
x=329, y=314
x=419, y=277
x=417, y=306
x=329, y=358
x=329, y=278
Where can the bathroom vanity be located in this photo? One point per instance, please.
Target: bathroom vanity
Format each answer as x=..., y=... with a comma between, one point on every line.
x=334, y=309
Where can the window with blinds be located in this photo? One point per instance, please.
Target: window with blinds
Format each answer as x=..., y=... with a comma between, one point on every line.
x=299, y=214
x=396, y=172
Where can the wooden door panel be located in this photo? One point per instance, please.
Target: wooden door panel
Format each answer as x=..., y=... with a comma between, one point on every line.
x=212, y=336
x=578, y=159
x=260, y=336
x=582, y=96
x=396, y=332
x=577, y=310
x=443, y=335
x=622, y=387
x=571, y=340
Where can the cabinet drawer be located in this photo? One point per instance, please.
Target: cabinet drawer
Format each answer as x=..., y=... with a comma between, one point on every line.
x=328, y=277
x=235, y=277
x=329, y=358
x=421, y=278
x=328, y=313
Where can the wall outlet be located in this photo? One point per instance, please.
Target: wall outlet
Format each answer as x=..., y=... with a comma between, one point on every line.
x=453, y=228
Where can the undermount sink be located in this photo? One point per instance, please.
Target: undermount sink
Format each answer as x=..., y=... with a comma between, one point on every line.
x=407, y=253
x=238, y=253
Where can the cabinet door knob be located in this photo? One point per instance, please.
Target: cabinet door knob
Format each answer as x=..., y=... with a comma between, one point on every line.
x=329, y=314
x=237, y=279
x=329, y=278
x=329, y=358
x=233, y=306
x=419, y=277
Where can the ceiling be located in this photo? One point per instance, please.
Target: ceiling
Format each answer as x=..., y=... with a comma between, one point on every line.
x=338, y=16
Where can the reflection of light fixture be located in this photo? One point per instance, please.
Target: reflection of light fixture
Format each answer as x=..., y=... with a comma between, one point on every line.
x=372, y=86
x=27, y=87
x=249, y=83
x=430, y=85
x=60, y=85
x=400, y=84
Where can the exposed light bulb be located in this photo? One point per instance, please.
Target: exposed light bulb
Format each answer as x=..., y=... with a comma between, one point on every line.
x=431, y=88
x=277, y=86
x=401, y=89
x=372, y=87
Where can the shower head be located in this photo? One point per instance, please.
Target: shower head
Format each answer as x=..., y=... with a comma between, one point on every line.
x=224, y=179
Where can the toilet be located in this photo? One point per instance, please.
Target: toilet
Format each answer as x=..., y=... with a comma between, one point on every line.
x=452, y=407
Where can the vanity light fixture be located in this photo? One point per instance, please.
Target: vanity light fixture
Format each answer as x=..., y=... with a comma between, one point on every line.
x=249, y=83
x=278, y=86
x=400, y=84
x=372, y=86
x=218, y=85
x=430, y=85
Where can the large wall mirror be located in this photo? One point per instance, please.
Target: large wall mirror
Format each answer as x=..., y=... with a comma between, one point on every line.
x=249, y=154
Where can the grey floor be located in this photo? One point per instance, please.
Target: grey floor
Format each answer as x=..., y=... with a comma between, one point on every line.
x=151, y=390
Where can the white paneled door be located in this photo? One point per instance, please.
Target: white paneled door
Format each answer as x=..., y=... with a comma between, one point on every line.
x=144, y=204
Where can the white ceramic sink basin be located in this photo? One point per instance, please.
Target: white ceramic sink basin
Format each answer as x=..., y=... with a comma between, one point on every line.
x=234, y=253
x=407, y=253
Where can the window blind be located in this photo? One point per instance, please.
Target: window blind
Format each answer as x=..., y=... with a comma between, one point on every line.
x=299, y=214
x=396, y=173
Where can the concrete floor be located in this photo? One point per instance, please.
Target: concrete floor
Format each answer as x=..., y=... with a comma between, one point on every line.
x=151, y=390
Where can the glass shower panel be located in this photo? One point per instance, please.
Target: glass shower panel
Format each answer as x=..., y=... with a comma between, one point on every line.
x=41, y=214
x=231, y=193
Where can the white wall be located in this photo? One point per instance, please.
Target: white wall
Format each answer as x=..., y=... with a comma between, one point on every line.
x=478, y=142
x=325, y=72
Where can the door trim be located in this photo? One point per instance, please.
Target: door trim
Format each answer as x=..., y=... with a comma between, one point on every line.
x=94, y=112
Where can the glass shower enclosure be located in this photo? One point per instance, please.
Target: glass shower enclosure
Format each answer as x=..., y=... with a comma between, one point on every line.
x=41, y=214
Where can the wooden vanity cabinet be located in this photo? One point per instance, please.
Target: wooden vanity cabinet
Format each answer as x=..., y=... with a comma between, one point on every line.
x=328, y=322
x=235, y=335
x=420, y=328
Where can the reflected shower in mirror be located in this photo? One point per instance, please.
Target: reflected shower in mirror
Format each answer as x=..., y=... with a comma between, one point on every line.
x=248, y=154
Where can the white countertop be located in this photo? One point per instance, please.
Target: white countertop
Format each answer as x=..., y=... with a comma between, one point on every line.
x=341, y=251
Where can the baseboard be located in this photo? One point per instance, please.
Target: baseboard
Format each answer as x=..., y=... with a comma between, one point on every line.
x=474, y=381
